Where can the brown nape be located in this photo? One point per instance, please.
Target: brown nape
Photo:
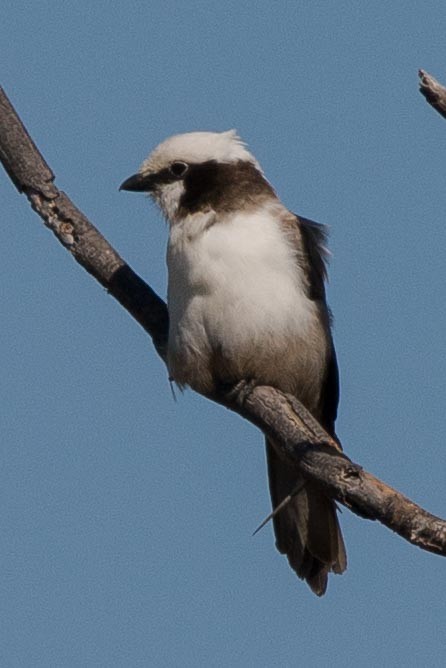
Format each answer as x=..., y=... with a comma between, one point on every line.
x=223, y=187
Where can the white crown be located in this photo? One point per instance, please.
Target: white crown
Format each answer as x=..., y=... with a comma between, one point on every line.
x=196, y=147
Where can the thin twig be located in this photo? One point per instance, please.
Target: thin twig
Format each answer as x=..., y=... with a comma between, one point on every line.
x=433, y=91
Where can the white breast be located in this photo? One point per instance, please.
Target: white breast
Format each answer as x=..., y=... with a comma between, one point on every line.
x=233, y=285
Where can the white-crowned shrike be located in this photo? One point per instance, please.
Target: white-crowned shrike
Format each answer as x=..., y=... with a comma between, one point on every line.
x=246, y=300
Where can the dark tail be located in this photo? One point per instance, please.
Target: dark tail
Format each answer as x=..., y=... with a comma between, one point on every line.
x=307, y=529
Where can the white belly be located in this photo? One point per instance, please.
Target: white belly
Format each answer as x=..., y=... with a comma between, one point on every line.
x=236, y=299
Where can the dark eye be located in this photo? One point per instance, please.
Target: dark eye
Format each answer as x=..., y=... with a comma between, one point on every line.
x=178, y=169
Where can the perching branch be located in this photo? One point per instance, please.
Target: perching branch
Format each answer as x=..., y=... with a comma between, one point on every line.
x=31, y=175
x=434, y=92
x=296, y=434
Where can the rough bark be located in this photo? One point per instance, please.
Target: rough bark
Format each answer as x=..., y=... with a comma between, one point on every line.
x=31, y=175
x=294, y=432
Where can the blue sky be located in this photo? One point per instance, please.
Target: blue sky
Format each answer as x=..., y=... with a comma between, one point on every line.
x=126, y=518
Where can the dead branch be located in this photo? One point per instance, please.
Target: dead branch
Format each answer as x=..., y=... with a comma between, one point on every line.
x=295, y=433
x=31, y=175
x=433, y=91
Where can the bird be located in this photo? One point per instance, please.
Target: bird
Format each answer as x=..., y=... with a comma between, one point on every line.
x=246, y=301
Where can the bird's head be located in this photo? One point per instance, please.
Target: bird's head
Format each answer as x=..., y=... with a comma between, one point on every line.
x=198, y=171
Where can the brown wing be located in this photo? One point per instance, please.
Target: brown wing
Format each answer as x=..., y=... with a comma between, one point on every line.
x=310, y=241
x=314, y=237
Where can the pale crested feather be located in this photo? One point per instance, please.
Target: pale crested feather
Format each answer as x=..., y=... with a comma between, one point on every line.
x=198, y=147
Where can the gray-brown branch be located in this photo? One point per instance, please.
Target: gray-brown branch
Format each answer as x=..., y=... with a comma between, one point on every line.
x=295, y=433
x=433, y=91
x=31, y=175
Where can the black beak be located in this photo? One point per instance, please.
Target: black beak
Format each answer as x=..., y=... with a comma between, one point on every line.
x=138, y=183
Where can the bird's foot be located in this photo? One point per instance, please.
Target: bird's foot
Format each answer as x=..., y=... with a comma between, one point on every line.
x=238, y=392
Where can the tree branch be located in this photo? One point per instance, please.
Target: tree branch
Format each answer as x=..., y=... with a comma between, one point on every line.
x=31, y=175
x=433, y=91
x=296, y=435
